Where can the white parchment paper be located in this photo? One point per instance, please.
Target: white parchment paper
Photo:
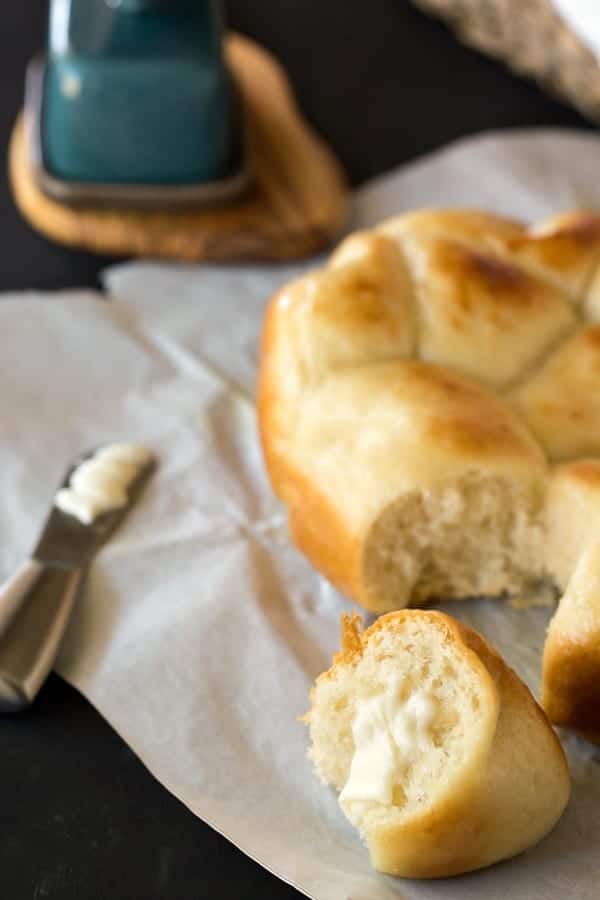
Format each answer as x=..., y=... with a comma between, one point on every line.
x=201, y=628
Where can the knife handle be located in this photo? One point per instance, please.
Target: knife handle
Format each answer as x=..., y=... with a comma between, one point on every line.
x=35, y=605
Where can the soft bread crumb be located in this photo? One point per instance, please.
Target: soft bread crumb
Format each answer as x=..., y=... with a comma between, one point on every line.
x=430, y=662
x=479, y=535
x=486, y=777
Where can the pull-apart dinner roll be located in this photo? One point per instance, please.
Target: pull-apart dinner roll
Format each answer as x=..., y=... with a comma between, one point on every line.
x=441, y=756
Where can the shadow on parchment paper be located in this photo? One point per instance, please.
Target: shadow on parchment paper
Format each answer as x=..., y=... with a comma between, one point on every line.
x=273, y=598
x=101, y=621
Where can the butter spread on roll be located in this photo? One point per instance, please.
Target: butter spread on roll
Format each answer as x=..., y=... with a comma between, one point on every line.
x=442, y=758
x=387, y=733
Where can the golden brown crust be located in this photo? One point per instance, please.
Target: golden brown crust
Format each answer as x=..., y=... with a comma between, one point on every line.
x=315, y=525
x=351, y=645
x=507, y=680
x=484, y=817
x=571, y=670
x=317, y=530
x=271, y=429
x=585, y=471
x=363, y=399
x=470, y=301
x=472, y=227
x=572, y=515
x=571, y=683
x=566, y=248
x=462, y=416
x=561, y=401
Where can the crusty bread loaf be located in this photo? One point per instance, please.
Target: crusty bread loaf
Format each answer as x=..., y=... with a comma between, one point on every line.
x=416, y=393
x=470, y=771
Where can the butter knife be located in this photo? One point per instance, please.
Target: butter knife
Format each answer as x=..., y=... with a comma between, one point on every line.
x=36, y=602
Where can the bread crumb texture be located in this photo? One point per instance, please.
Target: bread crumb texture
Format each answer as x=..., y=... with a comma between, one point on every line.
x=429, y=407
x=443, y=760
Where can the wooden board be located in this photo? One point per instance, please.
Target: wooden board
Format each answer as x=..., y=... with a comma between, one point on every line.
x=295, y=207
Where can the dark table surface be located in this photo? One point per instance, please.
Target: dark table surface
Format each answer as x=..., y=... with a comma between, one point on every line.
x=80, y=817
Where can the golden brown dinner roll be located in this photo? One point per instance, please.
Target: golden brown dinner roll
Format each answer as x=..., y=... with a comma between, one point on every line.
x=469, y=301
x=402, y=452
x=571, y=669
x=571, y=681
x=327, y=322
x=443, y=759
x=561, y=401
x=414, y=392
x=563, y=249
x=572, y=516
x=591, y=300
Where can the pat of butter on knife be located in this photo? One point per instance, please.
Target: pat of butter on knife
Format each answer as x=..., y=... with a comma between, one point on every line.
x=100, y=483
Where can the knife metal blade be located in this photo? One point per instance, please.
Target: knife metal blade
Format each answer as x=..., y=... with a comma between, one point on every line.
x=68, y=543
x=36, y=603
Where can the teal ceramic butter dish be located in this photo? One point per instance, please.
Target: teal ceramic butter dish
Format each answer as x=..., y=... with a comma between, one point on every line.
x=134, y=104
